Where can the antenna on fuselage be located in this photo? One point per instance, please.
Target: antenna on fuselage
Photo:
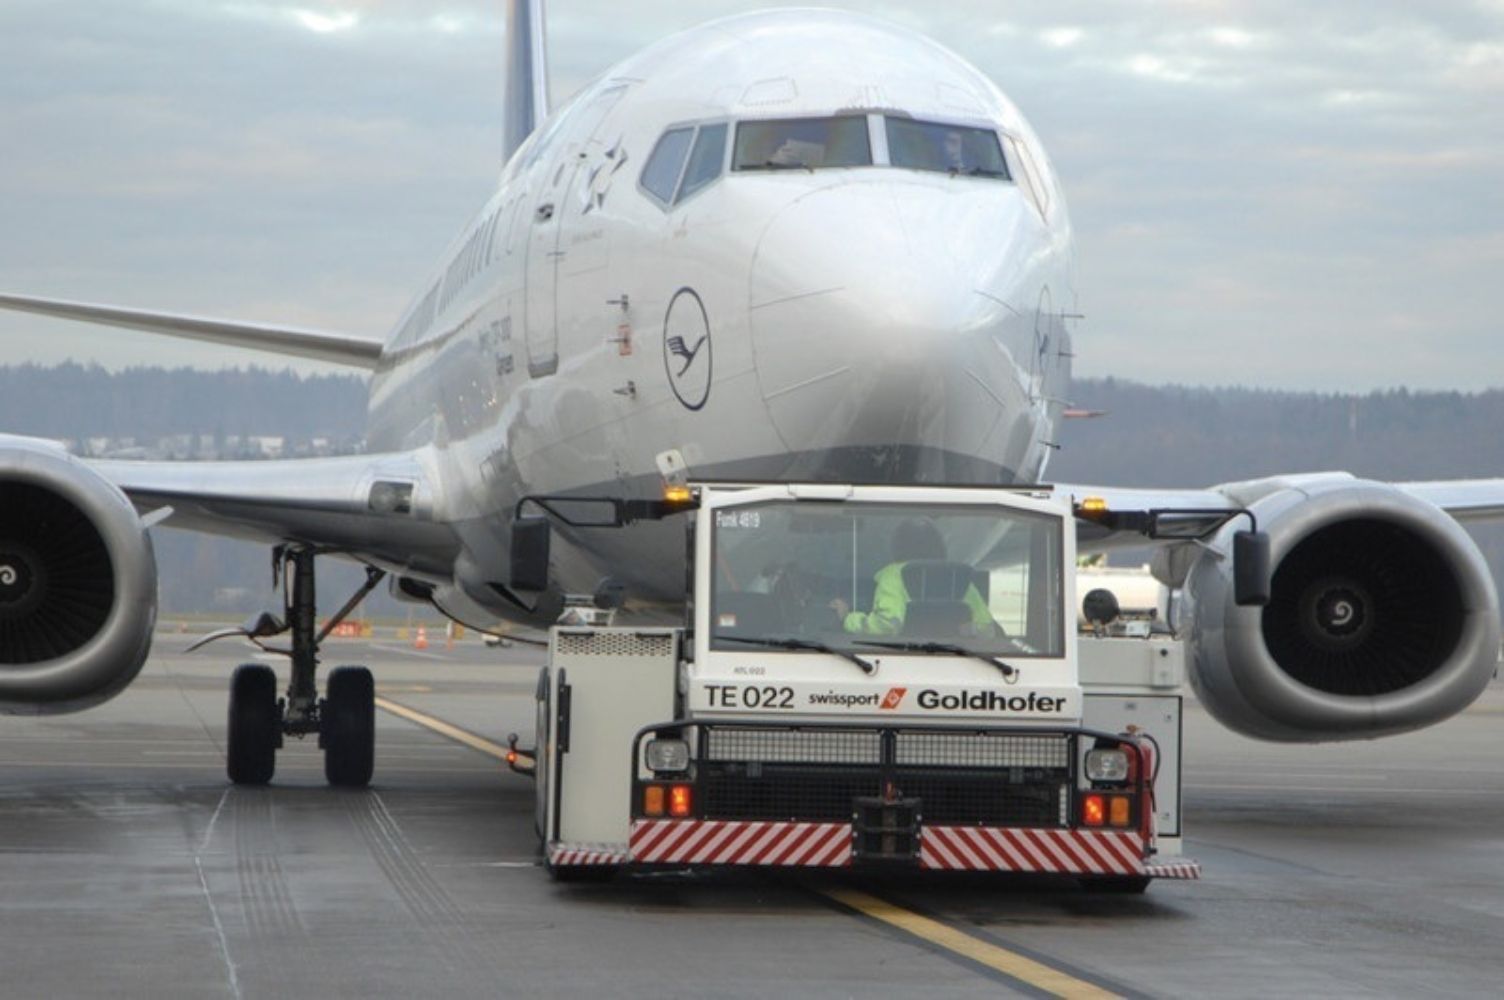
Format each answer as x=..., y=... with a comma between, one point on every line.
x=527, y=74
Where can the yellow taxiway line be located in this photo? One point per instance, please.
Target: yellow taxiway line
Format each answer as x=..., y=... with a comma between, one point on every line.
x=992, y=956
x=1009, y=963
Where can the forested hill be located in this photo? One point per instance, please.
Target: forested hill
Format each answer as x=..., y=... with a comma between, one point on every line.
x=1179, y=436
x=1150, y=436
x=147, y=406
x=184, y=413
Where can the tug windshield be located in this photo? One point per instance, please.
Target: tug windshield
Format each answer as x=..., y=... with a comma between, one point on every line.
x=984, y=578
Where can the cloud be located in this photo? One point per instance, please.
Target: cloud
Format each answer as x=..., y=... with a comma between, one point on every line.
x=1062, y=38
x=326, y=23
x=1316, y=185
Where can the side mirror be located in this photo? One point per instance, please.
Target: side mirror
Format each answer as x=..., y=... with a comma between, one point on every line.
x=1250, y=569
x=530, y=537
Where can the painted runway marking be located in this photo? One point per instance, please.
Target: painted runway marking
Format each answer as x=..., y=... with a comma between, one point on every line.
x=1019, y=968
x=1012, y=965
x=231, y=975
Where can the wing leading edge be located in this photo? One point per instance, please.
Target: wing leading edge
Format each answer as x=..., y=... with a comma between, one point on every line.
x=376, y=508
x=316, y=345
x=1467, y=500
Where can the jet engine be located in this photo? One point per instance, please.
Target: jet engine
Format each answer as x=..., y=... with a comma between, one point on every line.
x=1382, y=616
x=78, y=583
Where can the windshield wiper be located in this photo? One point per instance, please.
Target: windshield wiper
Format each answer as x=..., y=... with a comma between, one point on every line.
x=778, y=165
x=977, y=172
x=790, y=642
x=943, y=647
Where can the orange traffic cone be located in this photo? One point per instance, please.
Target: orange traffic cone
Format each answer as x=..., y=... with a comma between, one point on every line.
x=421, y=642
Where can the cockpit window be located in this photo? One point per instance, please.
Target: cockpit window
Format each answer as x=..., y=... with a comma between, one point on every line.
x=802, y=144
x=706, y=160
x=954, y=149
x=661, y=175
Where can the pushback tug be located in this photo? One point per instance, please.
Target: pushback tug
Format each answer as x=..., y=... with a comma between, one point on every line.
x=786, y=725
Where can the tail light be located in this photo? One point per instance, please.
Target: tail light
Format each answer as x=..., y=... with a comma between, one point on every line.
x=1107, y=810
x=679, y=800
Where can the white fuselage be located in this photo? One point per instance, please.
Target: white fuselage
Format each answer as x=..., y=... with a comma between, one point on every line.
x=866, y=324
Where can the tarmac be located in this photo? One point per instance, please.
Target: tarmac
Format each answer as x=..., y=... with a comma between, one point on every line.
x=130, y=867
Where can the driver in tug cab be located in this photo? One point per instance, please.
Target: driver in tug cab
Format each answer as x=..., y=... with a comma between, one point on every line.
x=915, y=539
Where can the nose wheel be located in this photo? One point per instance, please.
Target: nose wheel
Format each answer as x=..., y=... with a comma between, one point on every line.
x=347, y=727
x=255, y=730
x=344, y=720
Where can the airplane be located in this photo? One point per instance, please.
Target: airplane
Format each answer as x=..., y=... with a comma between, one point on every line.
x=792, y=245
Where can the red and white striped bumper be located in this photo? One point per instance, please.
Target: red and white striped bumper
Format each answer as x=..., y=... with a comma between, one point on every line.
x=1020, y=849
x=953, y=848
x=943, y=848
x=1173, y=868
x=586, y=855
x=729, y=842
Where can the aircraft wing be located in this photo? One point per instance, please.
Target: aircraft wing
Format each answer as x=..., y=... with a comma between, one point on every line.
x=333, y=348
x=375, y=507
x=1465, y=500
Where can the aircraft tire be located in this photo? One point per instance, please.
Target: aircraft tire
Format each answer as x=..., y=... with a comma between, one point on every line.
x=251, y=752
x=349, y=727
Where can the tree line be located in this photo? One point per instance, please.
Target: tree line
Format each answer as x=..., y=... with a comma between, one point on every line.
x=1148, y=436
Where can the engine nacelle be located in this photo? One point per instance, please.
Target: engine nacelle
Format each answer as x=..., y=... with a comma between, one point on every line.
x=1382, y=618
x=78, y=583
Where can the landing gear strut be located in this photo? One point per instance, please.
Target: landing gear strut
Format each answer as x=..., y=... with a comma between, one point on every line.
x=344, y=721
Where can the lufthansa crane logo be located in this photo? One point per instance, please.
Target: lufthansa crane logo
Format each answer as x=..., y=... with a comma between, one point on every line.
x=687, y=349
x=679, y=349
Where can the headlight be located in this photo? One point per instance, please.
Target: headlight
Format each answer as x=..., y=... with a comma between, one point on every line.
x=1105, y=765
x=668, y=755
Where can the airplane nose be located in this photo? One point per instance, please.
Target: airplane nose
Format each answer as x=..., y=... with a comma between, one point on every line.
x=885, y=340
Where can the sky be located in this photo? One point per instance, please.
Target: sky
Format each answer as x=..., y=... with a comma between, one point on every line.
x=1288, y=194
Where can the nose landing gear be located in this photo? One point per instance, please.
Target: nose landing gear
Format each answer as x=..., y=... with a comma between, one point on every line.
x=344, y=720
